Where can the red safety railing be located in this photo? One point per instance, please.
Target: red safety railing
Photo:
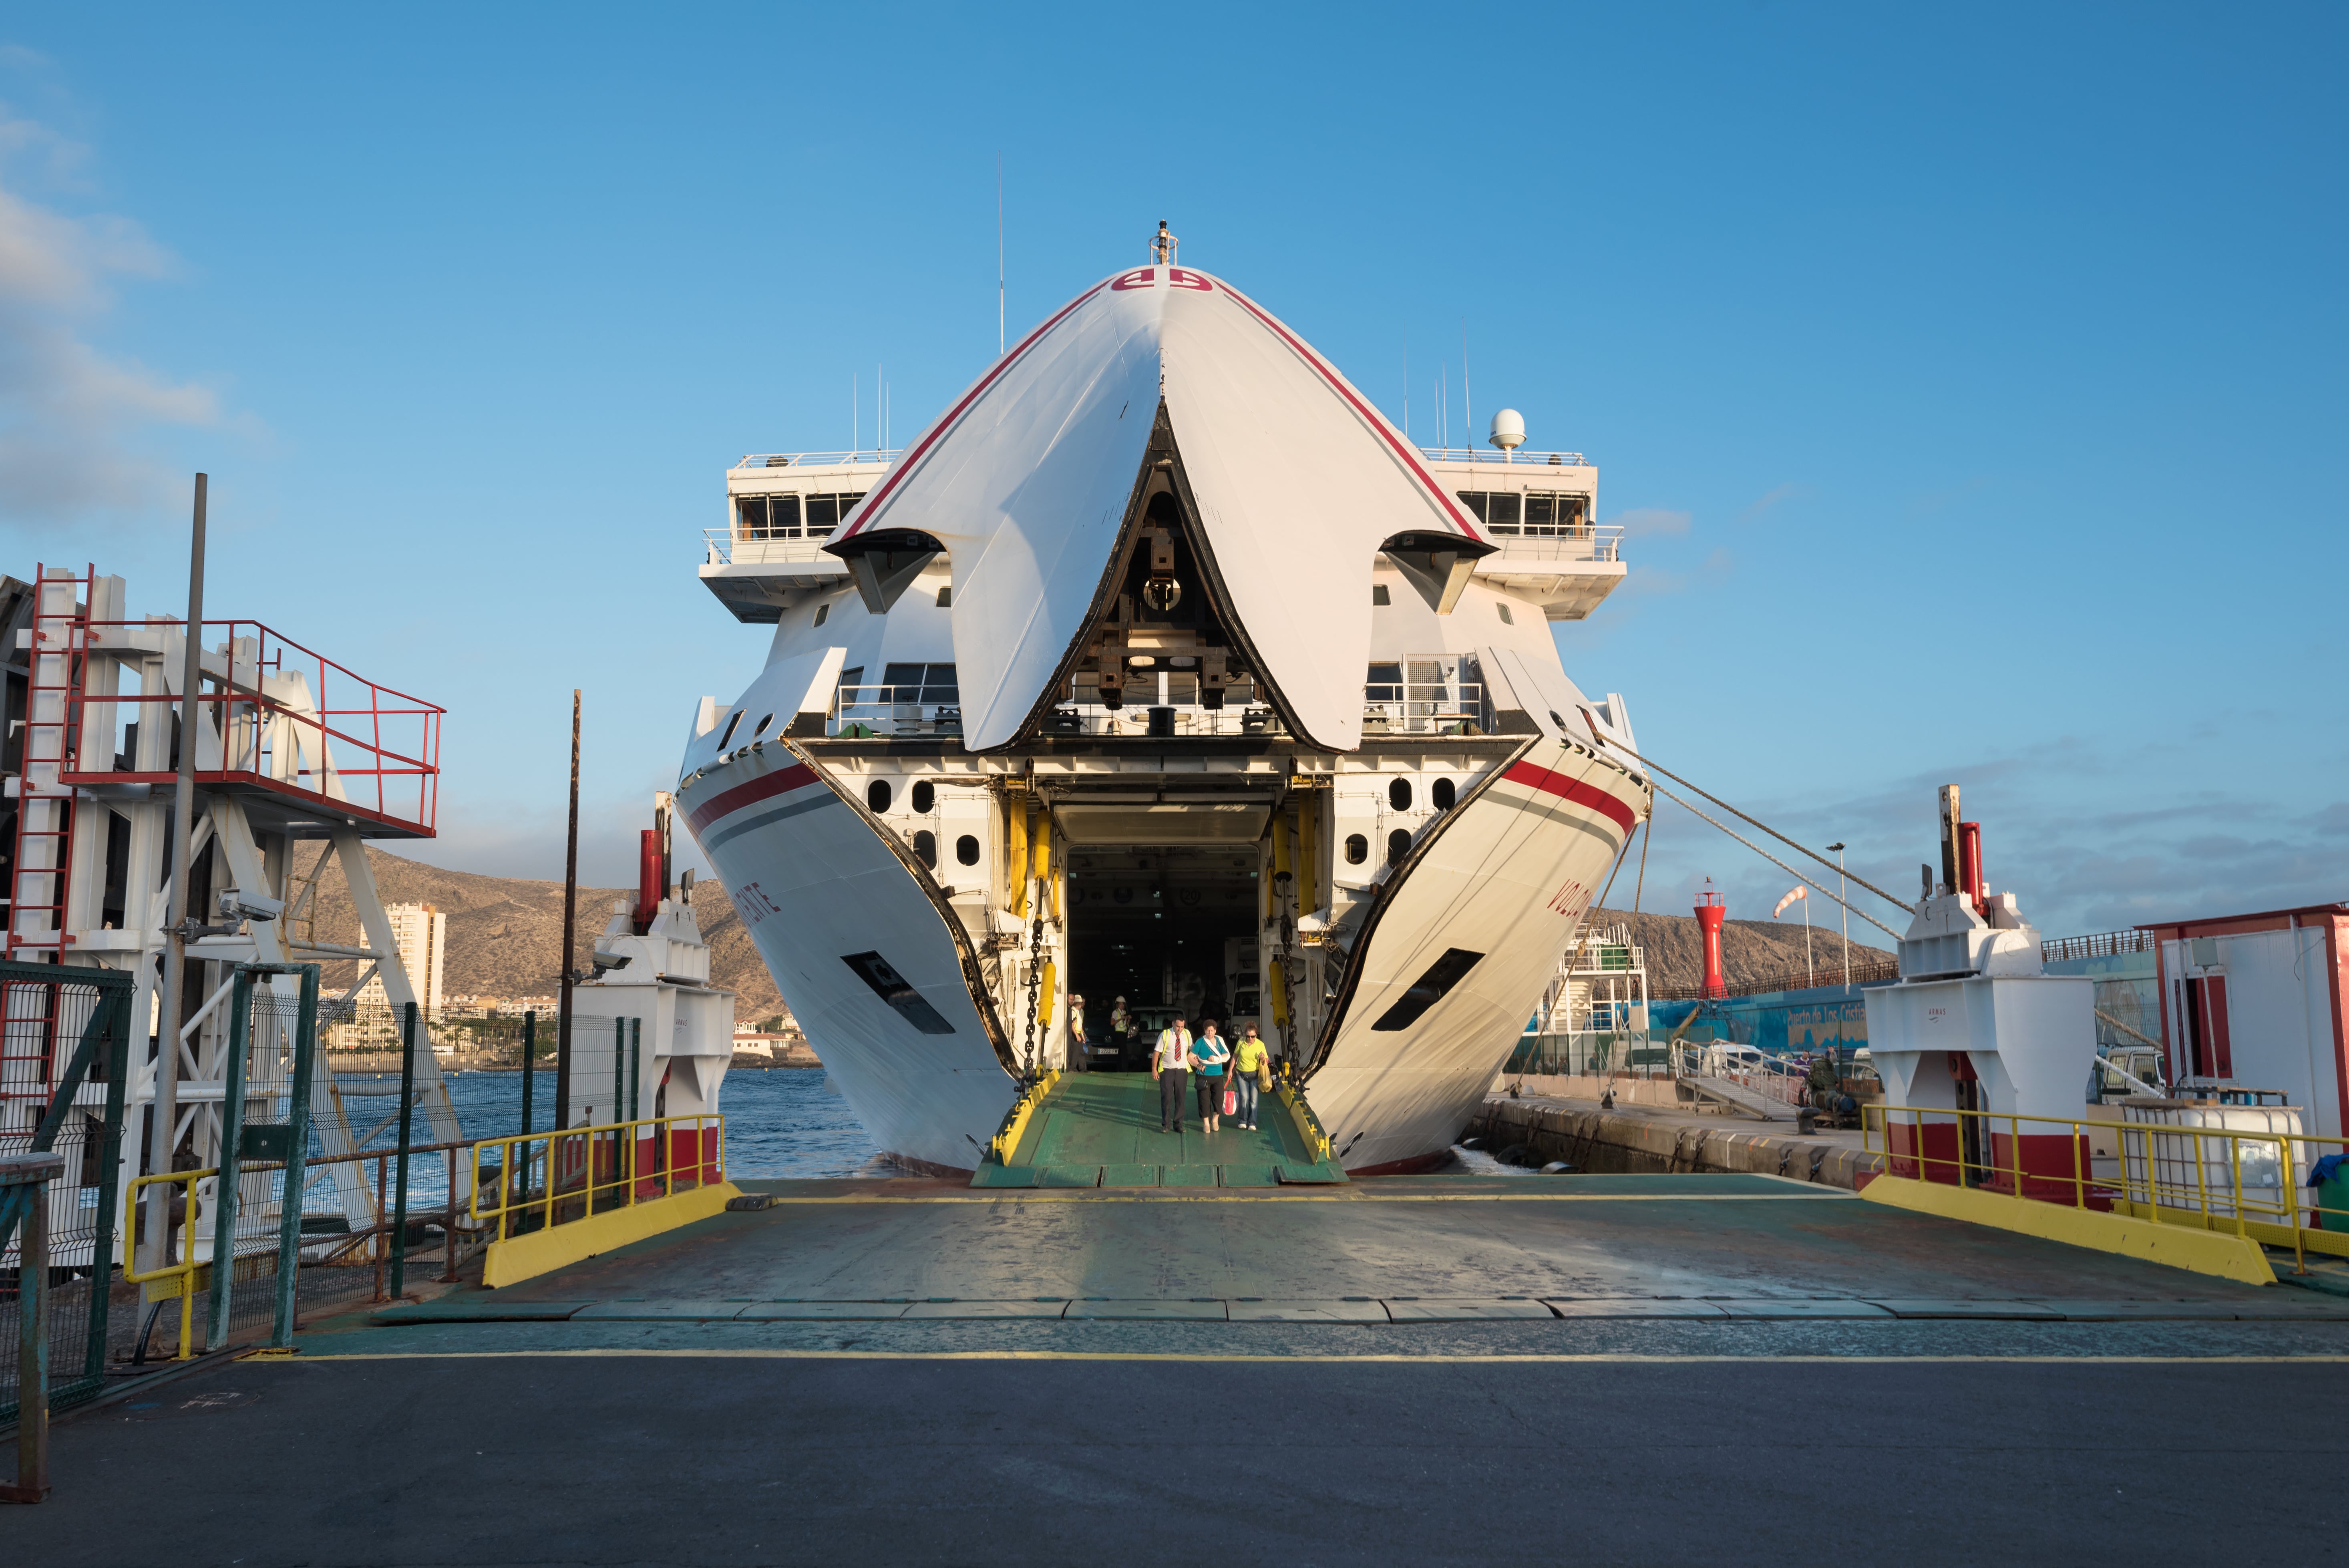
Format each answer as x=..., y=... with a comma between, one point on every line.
x=286, y=719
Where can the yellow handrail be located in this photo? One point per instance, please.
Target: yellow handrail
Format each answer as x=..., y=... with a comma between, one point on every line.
x=184, y=1271
x=572, y=1179
x=2148, y=1179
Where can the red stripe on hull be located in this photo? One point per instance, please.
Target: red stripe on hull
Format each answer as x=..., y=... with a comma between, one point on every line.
x=1538, y=778
x=880, y=497
x=1379, y=427
x=1417, y=1165
x=726, y=802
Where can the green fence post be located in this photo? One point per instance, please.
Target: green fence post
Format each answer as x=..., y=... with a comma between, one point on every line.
x=407, y=1123
x=297, y=1155
x=636, y=1064
x=25, y=1199
x=109, y=1175
x=231, y=1133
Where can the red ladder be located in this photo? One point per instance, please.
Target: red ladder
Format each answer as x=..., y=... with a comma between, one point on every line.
x=44, y=807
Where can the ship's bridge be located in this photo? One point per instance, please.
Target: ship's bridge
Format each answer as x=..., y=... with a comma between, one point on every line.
x=782, y=509
x=1538, y=507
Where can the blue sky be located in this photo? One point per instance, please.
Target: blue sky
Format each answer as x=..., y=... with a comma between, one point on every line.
x=1971, y=386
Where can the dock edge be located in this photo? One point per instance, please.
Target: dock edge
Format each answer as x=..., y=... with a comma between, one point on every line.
x=2238, y=1258
x=519, y=1258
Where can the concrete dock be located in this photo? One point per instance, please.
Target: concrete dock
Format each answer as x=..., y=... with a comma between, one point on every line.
x=1684, y=1368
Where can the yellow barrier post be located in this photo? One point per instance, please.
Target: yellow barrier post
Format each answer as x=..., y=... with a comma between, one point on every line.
x=182, y=1273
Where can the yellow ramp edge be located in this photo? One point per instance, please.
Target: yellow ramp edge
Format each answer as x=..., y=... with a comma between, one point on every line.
x=2203, y=1252
x=518, y=1258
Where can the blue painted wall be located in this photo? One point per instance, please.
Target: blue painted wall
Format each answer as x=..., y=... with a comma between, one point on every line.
x=1794, y=1021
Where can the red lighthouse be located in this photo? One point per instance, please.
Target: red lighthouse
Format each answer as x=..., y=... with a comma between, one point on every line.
x=1709, y=914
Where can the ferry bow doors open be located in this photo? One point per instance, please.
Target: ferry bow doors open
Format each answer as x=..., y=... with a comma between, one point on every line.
x=1168, y=927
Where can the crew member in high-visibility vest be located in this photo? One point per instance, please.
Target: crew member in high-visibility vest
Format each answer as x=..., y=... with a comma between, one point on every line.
x=1171, y=1066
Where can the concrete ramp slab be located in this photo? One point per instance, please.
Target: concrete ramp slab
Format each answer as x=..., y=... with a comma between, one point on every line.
x=1149, y=1311
x=2024, y=1311
x=1355, y=1311
x=1406, y=1311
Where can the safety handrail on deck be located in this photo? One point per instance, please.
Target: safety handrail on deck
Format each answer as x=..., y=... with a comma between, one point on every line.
x=559, y=1180
x=2165, y=1173
x=183, y=1273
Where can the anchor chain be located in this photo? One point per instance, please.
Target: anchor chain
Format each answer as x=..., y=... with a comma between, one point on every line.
x=1035, y=985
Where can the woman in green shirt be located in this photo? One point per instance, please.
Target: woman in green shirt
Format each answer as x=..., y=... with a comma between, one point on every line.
x=1213, y=1057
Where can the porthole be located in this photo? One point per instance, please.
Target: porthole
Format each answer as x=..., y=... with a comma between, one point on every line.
x=1398, y=846
x=925, y=796
x=1506, y=619
x=926, y=848
x=761, y=727
x=823, y=612
x=729, y=730
x=1440, y=793
x=966, y=850
x=877, y=795
x=1399, y=794
x=1357, y=848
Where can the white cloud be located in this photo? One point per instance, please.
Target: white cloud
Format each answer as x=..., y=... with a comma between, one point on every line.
x=72, y=416
x=1781, y=493
x=1652, y=522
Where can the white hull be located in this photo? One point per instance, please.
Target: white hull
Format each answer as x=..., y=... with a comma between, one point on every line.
x=1506, y=875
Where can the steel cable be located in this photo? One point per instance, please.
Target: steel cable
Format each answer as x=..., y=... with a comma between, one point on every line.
x=1897, y=903
x=1775, y=861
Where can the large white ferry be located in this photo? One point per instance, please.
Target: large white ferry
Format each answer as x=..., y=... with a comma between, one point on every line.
x=1161, y=666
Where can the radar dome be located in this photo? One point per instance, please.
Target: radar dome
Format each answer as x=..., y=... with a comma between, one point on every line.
x=1508, y=429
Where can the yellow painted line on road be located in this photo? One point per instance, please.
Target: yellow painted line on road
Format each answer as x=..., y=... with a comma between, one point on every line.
x=1096, y=1195
x=1595, y=1358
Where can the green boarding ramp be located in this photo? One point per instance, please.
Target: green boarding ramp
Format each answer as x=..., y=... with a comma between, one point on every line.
x=1101, y=1129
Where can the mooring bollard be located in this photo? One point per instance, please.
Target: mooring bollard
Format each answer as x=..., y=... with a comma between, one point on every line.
x=24, y=1209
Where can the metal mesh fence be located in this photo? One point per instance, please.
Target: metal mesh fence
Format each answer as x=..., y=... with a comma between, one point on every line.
x=46, y=1022
x=1589, y=1051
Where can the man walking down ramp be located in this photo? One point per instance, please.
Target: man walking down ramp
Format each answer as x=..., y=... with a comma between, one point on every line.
x=1171, y=1066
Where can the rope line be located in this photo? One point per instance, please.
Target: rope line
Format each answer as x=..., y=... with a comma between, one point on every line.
x=1777, y=861
x=1897, y=903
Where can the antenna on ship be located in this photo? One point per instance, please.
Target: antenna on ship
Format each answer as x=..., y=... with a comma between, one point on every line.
x=999, y=256
x=1467, y=403
x=1161, y=247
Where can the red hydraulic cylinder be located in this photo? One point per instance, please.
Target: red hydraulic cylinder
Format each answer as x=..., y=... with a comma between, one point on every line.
x=1969, y=866
x=649, y=890
x=1709, y=914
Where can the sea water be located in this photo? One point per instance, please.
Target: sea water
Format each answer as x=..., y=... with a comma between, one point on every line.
x=780, y=1122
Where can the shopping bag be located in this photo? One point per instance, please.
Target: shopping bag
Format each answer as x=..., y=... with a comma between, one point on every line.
x=1231, y=1100
x=1264, y=1078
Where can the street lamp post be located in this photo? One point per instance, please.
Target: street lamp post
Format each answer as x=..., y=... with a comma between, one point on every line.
x=1843, y=890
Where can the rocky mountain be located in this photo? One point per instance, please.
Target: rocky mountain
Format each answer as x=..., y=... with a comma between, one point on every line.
x=505, y=934
x=1751, y=950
